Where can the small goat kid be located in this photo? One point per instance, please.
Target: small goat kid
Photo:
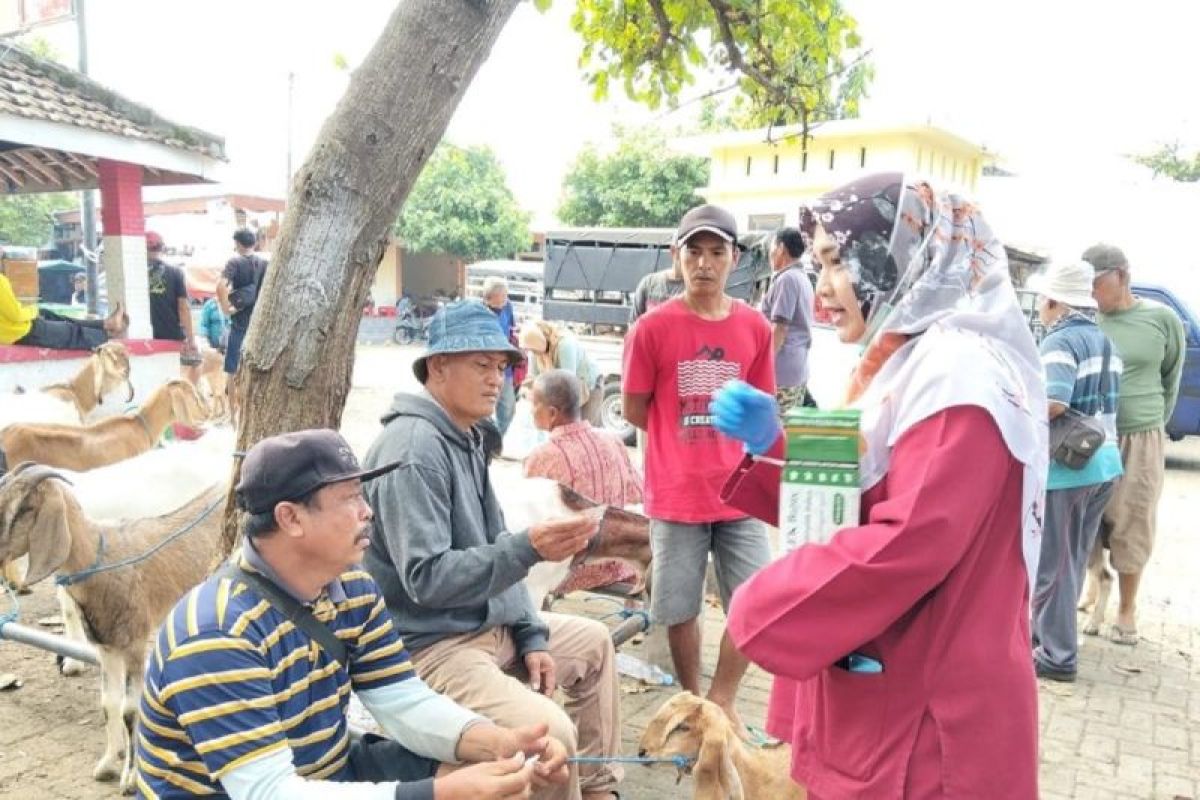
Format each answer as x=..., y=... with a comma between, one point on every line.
x=122, y=608
x=724, y=768
x=110, y=440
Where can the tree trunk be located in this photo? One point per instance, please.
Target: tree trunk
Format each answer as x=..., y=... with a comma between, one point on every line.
x=299, y=352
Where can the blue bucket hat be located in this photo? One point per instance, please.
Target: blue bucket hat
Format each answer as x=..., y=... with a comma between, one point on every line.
x=466, y=326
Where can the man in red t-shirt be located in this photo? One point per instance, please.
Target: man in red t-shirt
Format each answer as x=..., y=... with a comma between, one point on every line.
x=676, y=356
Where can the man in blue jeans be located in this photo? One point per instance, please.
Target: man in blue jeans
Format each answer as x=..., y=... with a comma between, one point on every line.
x=237, y=292
x=1075, y=355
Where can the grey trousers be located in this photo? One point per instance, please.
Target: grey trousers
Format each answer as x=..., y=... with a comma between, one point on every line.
x=1072, y=520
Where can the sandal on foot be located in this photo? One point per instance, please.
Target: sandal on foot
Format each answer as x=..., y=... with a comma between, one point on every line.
x=757, y=737
x=1124, y=636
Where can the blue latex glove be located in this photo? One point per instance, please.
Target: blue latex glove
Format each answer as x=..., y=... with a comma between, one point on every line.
x=744, y=413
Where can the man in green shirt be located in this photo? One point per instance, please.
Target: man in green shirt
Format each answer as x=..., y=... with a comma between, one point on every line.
x=1150, y=340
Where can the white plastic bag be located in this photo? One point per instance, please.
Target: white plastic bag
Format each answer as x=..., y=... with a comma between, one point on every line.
x=522, y=437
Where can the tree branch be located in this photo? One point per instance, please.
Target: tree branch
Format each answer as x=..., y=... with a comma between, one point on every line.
x=665, y=34
x=737, y=61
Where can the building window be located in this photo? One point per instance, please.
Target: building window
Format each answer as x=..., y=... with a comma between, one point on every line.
x=776, y=165
x=766, y=222
x=831, y=159
x=862, y=156
x=943, y=166
x=804, y=161
x=748, y=160
x=920, y=159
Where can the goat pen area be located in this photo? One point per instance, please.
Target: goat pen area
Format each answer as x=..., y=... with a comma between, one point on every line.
x=1129, y=728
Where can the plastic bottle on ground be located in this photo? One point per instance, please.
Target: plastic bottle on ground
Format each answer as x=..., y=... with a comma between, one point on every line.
x=651, y=674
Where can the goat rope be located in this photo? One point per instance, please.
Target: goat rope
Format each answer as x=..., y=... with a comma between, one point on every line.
x=96, y=567
x=680, y=762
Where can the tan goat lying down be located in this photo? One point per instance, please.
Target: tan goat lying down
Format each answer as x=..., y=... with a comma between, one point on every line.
x=40, y=516
x=108, y=441
x=724, y=768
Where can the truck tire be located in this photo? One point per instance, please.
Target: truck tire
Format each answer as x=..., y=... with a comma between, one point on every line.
x=612, y=413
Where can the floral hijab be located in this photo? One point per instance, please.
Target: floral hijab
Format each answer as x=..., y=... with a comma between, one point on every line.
x=943, y=324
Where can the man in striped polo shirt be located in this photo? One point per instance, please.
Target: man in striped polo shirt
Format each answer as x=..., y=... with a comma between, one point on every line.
x=240, y=702
x=1074, y=355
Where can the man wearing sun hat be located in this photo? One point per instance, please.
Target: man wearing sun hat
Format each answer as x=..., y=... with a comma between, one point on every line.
x=1083, y=374
x=452, y=574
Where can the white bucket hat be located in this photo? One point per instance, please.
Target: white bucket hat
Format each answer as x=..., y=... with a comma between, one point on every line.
x=1068, y=282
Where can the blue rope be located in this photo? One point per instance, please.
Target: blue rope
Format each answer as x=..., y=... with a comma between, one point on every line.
x=680, y=762
x=15, y=613
x=97, y=567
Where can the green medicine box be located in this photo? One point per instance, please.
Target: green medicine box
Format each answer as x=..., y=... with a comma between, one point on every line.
x=819, y=493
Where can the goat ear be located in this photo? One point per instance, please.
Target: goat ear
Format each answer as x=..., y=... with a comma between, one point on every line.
x=98, y=372
x=715, y=775
x=49, y=536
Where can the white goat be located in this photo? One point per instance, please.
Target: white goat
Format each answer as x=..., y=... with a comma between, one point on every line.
x=723, y=767
x=179, y=473
x=623, y=535
x=40, y=516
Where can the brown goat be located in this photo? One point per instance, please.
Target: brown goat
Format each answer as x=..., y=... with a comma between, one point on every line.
x=109, y=440
x=723, y=767
x=107, y=369
x=214, y=381
x=122, y=608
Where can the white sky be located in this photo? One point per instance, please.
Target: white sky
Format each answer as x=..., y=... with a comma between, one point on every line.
x=1057, y=87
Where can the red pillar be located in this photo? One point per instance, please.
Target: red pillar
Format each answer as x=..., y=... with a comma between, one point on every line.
x=124, y=260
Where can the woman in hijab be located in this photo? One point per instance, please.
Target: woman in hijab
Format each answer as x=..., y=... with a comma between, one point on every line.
x=554, y=347
x=901, y=647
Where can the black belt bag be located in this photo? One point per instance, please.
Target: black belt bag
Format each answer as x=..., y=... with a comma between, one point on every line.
x=1074, y=436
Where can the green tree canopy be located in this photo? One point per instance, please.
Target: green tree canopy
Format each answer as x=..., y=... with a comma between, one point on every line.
x=635, y=186
x=1168, y=160
x=462, y=205
x=792, y=60
x=25, y=219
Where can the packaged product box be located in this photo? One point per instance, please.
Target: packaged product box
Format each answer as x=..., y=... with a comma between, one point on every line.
x=820, y=492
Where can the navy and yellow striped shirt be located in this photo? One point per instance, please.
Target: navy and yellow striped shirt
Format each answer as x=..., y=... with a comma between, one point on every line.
x=231, y=680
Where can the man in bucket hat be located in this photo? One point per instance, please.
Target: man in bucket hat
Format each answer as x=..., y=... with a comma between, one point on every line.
x=1075, y=355
x=451, y=573
x=247, y=693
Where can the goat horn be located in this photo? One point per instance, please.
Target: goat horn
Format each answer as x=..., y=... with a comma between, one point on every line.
x=38, y=473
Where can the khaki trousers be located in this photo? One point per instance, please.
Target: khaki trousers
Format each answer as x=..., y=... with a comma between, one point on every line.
x=1131, y=516
x=482, y=672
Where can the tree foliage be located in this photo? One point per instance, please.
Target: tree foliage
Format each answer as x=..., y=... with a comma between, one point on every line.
x=792, y=60
x=26, y=219
x=1169, y=161
x=462, y=205
x=635, y=186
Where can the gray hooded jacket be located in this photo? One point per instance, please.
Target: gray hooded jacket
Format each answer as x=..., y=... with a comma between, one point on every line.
x=439, y=550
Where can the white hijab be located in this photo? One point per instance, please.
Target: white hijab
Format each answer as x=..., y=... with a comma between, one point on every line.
x=962, y=337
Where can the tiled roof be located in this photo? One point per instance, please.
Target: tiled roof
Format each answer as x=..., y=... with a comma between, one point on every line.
x=35, y=88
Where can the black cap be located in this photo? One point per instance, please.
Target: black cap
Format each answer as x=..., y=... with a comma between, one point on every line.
x=291, y=465
x=707, y=218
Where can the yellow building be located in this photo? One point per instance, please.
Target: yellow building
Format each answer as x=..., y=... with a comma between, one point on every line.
x=764, y=183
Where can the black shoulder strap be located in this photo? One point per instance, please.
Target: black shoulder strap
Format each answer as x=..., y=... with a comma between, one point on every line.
x=1105, y=378
x=296, y=613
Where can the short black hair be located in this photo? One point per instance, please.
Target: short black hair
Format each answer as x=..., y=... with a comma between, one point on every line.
x=560, y=389
x=245, y=237
x=791, y=240
x=262, y=525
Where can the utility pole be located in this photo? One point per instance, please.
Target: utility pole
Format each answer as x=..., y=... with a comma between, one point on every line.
x=87, y=211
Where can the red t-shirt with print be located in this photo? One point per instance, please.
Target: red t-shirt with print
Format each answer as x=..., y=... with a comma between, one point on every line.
x=680, y=359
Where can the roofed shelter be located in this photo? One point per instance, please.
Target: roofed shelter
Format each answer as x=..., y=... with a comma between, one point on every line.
x=62, y=131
